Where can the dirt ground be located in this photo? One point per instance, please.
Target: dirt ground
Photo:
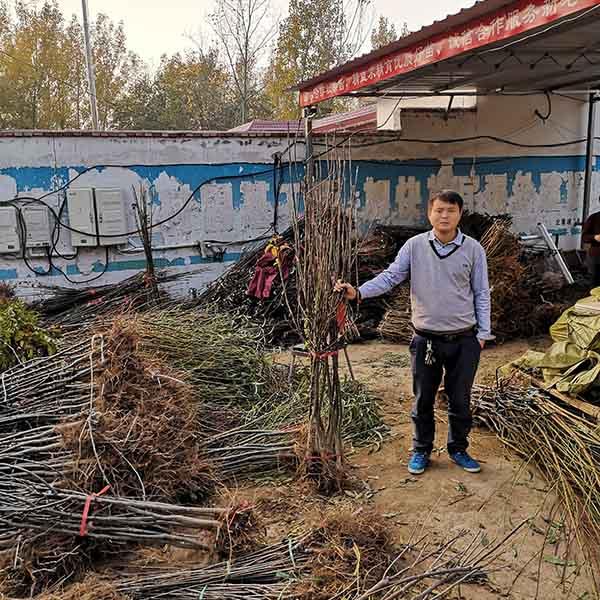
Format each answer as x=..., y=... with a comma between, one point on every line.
x=537, y=564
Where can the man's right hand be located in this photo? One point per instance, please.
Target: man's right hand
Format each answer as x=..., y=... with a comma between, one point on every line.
x=350, y=292
x=597, y=238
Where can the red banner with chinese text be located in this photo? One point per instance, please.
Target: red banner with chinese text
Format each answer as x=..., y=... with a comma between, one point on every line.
x=511, y=21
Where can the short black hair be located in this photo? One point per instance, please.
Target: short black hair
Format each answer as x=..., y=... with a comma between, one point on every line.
x=448, y=196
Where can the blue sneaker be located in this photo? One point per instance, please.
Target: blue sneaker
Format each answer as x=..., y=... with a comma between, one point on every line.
x=418, y=462
x=462, y=459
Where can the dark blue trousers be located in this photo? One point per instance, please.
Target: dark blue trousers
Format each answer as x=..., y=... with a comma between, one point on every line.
x=457, y=362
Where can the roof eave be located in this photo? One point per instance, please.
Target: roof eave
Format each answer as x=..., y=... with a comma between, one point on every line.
x=480, y=8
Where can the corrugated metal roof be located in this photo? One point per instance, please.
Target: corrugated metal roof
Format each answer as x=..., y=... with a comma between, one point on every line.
x=480, y=8
x=264, y=125
x=340, y=121
x=358, y=118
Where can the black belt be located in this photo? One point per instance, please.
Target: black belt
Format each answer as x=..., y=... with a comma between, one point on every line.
x=447, y=337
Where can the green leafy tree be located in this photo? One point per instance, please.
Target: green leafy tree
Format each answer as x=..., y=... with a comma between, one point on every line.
x=316, y=36
x=383, y=33
x=43, y=77
x=33, y=69
x=115, y=66
x=43, y=80
x=190, y=91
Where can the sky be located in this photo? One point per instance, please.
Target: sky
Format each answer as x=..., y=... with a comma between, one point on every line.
x=155, y=27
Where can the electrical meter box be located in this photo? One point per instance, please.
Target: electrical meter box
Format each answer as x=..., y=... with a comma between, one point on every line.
x=81, y=217
x=111, y=216
x=37, y=226
x=9, y=230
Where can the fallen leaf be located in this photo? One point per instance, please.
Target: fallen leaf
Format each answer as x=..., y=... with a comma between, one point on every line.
x=560, y=562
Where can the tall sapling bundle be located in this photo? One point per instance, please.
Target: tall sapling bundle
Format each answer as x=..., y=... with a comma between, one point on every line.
x=326, y=252
x=143, y=215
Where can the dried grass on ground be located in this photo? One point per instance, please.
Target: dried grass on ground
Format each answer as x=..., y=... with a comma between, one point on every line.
x=349, y=550
x=91, y=588
x=143, y=434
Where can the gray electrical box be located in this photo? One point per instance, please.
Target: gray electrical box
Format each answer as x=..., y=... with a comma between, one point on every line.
x=9, y=230
x=111, y=217
x=97, y=213
x=81, y=217
x=37, y=226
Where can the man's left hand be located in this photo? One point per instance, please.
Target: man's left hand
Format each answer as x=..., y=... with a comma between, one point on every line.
x=482, y=344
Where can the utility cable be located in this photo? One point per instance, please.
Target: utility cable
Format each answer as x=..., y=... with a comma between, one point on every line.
x=30, y=199
x=23, y=231
x=277, y=182
x=52, y=248
x=96, y=277
x=444, y=141
x=560, y=23
x=545, y=117
x=475, y=138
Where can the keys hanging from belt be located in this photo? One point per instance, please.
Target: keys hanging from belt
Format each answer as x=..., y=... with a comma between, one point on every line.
x=429, y=354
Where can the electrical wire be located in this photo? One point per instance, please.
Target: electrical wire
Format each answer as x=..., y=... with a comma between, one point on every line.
x=191, y=196
x=435, y=164
x=445, y=141
x=95, y=278
x=260, y=238
x=51, y=265
x=277, y=182
x=545, y=117
x=23, y=231
x=30, y=199
x=474, y=138
x=55, y=235
x=560, y=23
x=568, y=97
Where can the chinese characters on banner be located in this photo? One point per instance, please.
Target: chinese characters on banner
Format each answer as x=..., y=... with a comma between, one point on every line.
x=516, y=18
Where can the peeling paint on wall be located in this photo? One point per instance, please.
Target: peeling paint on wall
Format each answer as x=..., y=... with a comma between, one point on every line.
x=237, y=201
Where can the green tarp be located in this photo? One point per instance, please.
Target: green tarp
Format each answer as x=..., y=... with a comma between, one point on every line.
x=572, y=364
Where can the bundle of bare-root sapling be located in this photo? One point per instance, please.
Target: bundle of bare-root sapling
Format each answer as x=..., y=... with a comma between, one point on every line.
x=144, y=216
x=325, y=252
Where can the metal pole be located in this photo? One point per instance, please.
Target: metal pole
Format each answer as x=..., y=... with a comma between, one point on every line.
x=589, y=157
x=308, y=138
x=545, y=234
x=89, y=59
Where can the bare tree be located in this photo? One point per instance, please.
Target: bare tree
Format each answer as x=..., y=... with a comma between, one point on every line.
x=358, y=20
x=245, y=29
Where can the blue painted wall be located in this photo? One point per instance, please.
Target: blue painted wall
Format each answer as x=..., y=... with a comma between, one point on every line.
x=532, y=188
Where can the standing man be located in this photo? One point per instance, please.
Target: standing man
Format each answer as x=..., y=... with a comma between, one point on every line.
x=451, y=316
x=590, y=235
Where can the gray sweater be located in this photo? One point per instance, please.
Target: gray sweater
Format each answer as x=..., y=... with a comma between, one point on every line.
x=449, y=284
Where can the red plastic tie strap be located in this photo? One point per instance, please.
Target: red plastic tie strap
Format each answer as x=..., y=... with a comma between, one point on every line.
x=341, y=317
x=86, y=510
